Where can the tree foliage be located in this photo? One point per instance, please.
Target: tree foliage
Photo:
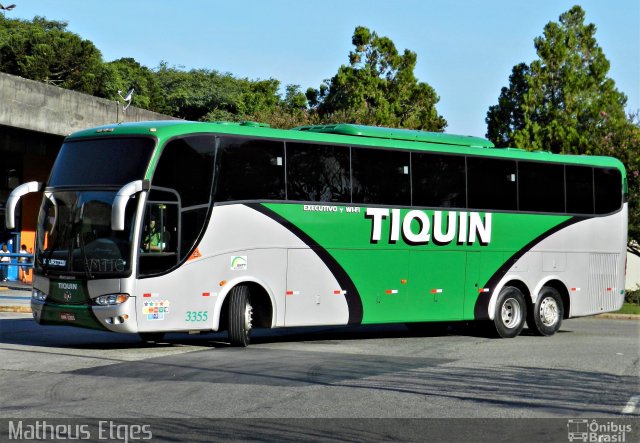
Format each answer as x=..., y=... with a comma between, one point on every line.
x=623, y=142
x=378, y=87
x=564, y=102
x=44, y=50
x=208, y=95
x=127, y=73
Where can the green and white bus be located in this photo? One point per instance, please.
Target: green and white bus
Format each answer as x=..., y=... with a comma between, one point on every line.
x=176, y=226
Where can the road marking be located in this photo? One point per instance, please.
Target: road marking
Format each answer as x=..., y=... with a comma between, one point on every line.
x=631, y=405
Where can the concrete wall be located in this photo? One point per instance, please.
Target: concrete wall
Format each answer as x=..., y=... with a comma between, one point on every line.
x=36, y=106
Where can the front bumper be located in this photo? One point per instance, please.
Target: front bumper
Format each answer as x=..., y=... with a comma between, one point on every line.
x=116, y=318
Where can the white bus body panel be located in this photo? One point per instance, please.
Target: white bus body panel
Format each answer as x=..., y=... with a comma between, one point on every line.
x=242, y=245
x=314, y=296
x=588, y=257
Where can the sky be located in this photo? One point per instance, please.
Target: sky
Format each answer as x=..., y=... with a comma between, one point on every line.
x=466, y=49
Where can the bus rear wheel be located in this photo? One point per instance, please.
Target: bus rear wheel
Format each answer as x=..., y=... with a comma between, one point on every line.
x=510, y=313
x=240, y=316
x=546, y=316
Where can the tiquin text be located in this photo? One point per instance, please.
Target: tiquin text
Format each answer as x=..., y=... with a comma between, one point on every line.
x=462, y=227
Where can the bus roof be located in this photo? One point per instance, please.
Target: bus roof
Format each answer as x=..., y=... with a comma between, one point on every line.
x=347, y=134
x=398, y=134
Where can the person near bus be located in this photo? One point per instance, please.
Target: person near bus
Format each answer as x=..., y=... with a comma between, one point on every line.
x=4, y=262
x=23, y=268
x=153, y=239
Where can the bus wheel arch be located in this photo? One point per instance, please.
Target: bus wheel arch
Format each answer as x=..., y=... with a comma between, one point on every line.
x=260, y=299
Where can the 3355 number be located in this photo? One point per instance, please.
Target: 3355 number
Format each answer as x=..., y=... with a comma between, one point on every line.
x=197, y=316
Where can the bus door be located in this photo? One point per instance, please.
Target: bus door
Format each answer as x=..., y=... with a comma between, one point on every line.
x=159, y=248
x=437, y=285
x=161, y=298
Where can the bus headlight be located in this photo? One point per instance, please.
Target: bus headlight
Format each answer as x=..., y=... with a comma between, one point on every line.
x=111, y=299
x=38, y=295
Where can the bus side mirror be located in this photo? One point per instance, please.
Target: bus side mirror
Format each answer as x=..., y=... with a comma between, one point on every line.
x=120, y=202
x=14, y=197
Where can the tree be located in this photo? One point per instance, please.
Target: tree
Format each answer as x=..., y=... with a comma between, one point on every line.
x=508, y=115
x=128, y=73
x=44, y=50
x=289, y=112
x=207, y=95
x=378, y=87
x=564, y=102
x=623, y=142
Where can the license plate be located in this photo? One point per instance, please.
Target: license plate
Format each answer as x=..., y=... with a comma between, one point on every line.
x=67, y=316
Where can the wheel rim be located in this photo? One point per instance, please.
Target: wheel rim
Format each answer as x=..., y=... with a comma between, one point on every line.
x=248, y=318
x=549, y=311
x=511, y=313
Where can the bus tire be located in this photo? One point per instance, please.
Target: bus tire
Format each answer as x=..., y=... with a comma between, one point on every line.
x=151, y=337
x=240, y=316
x=546, y=316
x=510, y=313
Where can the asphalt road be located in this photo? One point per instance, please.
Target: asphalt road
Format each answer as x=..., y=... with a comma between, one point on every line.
x=589, y=369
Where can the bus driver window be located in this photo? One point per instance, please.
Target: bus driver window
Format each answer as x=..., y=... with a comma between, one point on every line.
x=157, y=232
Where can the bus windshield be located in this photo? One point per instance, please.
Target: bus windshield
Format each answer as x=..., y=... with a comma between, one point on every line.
x=102, y=162
x=75, y=235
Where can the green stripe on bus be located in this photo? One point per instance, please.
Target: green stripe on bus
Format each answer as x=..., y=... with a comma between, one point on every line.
x=399, y=281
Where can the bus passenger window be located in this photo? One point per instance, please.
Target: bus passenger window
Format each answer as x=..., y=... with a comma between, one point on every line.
x=438, y=180
x=318, y=173
x=540, y=187
x=492, y=183
x=608, y=190
x=381, y=177
x=186, y=165
x=579, y=181
x=249, y=169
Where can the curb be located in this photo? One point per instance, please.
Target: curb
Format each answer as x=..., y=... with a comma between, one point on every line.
x=614, y=316
x=23, y=309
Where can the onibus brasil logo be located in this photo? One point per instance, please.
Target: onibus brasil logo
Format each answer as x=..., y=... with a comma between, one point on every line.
x=594, y=431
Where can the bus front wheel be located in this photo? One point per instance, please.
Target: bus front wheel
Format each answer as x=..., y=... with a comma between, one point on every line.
x=240, y=316
x=510, y=313
x=546, y=316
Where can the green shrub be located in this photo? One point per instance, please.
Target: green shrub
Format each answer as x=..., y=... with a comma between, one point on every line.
x=633, y=297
